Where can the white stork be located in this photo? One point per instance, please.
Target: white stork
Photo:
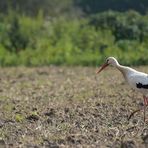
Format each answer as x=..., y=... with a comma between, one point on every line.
x=137, y=80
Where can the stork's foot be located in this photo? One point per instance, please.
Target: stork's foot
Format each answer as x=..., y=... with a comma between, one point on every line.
x=132, y=114
x=144, y=109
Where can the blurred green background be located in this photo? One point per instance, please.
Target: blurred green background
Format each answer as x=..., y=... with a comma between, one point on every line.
x=73, y=32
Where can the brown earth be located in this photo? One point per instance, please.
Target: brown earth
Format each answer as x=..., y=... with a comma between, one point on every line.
x=69, y=107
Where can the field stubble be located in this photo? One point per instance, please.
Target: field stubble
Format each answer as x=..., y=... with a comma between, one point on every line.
x=69, y=107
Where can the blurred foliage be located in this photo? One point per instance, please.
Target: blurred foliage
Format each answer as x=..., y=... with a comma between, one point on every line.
x=95, y=6
x=71, y=7
x=14, y=39
x=52, y=8
x=72, y=32
x=130, y=25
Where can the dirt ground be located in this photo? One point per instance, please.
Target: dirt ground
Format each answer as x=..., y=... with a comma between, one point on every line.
x=69, y=107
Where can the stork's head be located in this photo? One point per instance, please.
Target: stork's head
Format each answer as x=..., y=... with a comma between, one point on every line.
x=109, y=61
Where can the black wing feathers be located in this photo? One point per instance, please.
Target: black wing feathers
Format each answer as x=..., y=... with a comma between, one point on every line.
x=140, y=85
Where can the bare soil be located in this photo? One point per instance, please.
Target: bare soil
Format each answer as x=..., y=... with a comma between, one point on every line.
x=69, y=107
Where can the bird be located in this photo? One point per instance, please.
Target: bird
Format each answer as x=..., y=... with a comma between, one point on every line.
x=136, y=79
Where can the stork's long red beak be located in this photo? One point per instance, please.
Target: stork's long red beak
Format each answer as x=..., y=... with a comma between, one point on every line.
x=101, y=68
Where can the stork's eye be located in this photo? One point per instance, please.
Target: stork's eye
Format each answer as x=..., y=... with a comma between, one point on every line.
x=107, y=60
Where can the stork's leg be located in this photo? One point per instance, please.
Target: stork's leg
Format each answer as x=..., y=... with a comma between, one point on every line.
x=146, y=100
x=145, y=104
x=144, y=109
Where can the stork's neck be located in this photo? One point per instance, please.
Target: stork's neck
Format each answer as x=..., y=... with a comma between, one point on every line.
x=124, y=70
x=121, y=67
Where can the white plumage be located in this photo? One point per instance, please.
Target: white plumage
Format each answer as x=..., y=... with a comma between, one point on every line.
x=137, y=80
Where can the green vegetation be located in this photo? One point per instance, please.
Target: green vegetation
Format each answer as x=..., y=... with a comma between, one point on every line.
x=62, y=36
x=19, y=118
